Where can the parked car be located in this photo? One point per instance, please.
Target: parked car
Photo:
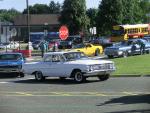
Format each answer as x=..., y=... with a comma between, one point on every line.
x=36, y=44
x=89, y=49
x=69, y=65
x=65, y=45
x=147, y=38
x=12, y=63
x=11, y=45
x=124, y=48
x=105, y=42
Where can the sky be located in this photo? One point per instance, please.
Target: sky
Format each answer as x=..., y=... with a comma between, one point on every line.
x=20, y=5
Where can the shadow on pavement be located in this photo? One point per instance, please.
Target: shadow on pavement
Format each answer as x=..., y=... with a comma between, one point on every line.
x=134, y=99
x=54, y=81
x=132, y=111
x=7, y=76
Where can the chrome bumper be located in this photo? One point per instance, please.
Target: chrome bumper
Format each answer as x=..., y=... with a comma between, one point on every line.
x=99, y=72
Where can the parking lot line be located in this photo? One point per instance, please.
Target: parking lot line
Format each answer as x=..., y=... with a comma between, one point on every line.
x=71, y=94
x=130, y=93
x=23, y=93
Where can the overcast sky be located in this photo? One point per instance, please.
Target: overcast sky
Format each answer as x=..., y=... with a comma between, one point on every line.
x=20, y=5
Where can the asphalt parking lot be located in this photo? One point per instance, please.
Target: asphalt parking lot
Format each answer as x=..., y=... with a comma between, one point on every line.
x=116, y=95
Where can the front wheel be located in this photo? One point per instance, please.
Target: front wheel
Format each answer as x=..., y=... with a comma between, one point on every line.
x=39, y=76
x=97, y=52
x=104, y=77
x=78, y=76
x=125, y=54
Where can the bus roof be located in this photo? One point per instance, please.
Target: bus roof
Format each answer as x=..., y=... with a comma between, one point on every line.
x=134, y=26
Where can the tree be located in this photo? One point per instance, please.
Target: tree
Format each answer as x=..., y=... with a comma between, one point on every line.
x=145, y=6
x=8, y=15
x=37, y=9
x=131, y=11
x=54, y=7
x=44, y=9
x=109, y=14
x=92, y=14
x=73, y=15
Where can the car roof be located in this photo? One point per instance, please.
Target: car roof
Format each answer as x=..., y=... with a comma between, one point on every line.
x=10, y=53
x=61, y=52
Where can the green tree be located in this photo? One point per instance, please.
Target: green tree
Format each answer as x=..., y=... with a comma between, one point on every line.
x=44, y=9
x=132, y=11
x=92, y=14
x=73, y=15
x=145, y=6
x=54, y=7
x=109, y=14
x=8, y=15
x=37, y=9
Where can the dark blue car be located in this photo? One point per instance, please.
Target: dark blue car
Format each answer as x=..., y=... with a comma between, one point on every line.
x=125, y=48
x=11, y=63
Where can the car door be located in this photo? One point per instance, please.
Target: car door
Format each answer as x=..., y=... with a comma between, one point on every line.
x=88, y=50
x=54, y=66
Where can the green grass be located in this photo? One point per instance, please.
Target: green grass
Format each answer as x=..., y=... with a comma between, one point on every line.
x=133, y=65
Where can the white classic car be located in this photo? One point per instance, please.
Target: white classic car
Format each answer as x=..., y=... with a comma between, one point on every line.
x=69, y=65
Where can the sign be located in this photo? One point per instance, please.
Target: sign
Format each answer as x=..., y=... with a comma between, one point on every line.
x=63, y=32
x=93, y=30
x=13, y=32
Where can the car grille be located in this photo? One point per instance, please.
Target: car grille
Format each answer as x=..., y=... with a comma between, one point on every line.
x=106, y=66
x=10, y=66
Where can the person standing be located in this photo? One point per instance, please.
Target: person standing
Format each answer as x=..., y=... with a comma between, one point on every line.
x=43, y=48
x=142, y=47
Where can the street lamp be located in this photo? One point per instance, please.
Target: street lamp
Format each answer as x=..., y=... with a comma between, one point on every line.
x=0, y=26
x=0, y=29
x=28, y=23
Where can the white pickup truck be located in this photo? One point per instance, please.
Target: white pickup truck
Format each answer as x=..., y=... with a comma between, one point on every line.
x=69, y=65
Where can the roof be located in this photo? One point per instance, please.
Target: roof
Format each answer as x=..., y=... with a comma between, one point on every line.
x=10, y=53
x=134, y=26
x=37, y=19
x=61, y=52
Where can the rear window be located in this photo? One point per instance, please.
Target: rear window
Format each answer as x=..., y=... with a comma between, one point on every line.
x=10, y=57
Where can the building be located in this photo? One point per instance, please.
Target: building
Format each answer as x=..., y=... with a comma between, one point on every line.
x=37, y=22
x=5, y=32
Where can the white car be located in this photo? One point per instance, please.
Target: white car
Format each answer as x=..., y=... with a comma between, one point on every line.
x=69, y=65
x=11, y=45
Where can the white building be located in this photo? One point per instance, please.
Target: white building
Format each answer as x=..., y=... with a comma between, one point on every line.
x=5, y=32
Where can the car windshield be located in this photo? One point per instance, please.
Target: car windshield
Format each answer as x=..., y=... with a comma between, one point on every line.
x=79, y=46
x=10, y=57
x=74, y=56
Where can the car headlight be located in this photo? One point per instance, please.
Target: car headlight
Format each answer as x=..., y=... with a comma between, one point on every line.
x=20, y=66
x=120, y=52
x=89, y=68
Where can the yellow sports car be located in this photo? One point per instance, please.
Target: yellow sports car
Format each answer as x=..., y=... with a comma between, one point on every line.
x=89, y=49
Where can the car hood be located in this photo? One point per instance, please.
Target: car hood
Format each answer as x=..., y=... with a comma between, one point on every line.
x=89, y=62
x=118, y=47
x=9, y=62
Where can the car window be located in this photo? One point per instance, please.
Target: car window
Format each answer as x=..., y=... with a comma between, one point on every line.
x=48, y=59
x=54, y=58
x=10, y=57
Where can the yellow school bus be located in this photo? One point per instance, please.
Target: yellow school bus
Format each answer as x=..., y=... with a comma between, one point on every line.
x=124, y=32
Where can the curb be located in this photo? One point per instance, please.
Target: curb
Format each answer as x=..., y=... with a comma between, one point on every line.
x=132, y=75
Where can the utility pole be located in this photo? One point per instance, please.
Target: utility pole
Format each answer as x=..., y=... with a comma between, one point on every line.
x=0, y=30
x=28, y=22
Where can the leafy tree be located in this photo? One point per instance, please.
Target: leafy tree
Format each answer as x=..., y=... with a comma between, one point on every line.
x=73, y=15
x=37, y=9
x=109, y=14
x=54, y=7
x=44, y=9
x=145, y=6
x=92, y=14
x=131, y=11
x=8, y=15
